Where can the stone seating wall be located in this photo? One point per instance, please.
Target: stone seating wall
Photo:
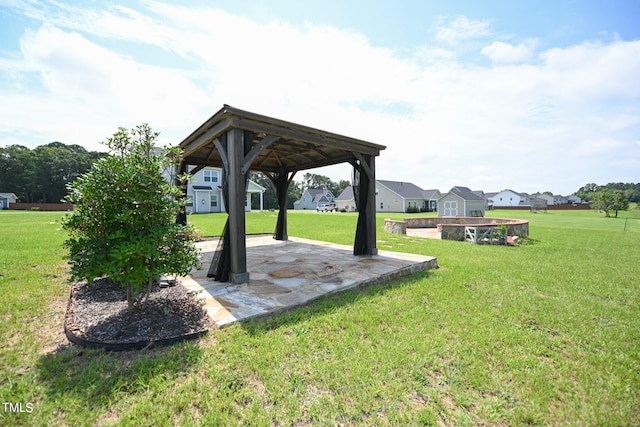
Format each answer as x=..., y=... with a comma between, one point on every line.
x=452, y=228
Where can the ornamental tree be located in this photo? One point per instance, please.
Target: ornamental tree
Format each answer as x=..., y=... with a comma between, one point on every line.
x=123, y=226
x=607, y=200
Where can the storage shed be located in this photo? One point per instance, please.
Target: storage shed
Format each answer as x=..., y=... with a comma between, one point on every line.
x=461, y=201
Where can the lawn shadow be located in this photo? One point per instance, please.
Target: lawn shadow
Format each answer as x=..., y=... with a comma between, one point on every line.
x=95, y=378
x=327, y=303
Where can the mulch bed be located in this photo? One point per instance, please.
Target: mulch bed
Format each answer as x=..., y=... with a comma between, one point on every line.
x=98, y=316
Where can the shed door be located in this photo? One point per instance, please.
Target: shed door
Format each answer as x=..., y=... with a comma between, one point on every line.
x=450, y=208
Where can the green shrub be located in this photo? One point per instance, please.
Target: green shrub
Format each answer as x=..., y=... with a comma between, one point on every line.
x=123, y=226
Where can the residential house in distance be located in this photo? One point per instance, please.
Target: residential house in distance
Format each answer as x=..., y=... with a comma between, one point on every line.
x=398, y=196
x=6, y=198
x=560, y=200
x=574, y=199
x=393, y=196
x=507, y=198
x=461, y=201
x=544, y=196
x=346, y=201
x=312, y=198
x=204, y=192
x=431, y=198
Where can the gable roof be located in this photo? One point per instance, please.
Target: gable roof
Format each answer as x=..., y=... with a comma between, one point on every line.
x=406, y=190
x=465, y=193
x=347, y=194
x=431, y=194
x=318, y=193
x=505, y=190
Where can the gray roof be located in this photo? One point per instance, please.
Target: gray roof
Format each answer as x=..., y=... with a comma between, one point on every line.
x=318, y=193
x=431, y=194
x=465, y=193
x=404, y=189
x=347, y=194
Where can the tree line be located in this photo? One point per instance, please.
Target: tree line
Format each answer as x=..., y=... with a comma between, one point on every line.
x=630, y=190
x=613, y=197
x=42, y=175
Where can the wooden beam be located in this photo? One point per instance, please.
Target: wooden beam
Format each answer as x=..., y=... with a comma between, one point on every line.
x=223, y=153
x=204, y=138
x=256, y=150
x=197, y=169
x=348, y=144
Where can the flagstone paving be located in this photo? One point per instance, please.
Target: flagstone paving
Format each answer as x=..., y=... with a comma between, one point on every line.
x=285, y=274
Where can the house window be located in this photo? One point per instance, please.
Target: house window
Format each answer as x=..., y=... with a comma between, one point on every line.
x=214, y=201
x=381, y=205
x=211, y=176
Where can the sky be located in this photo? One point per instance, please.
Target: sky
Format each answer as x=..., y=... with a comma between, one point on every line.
x=492, y=95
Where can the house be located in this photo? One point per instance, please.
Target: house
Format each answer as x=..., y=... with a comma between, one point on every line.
x=346, y=200
x=574, y=199
x=550, y=200
x=431, y=198
x=461, y=201
x=312, y=198
x=6, y=198
x=398, y=196
x=204, y=192
x=508, y=198
x=560, y=200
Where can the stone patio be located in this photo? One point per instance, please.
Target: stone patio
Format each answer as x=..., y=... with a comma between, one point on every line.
x=285, y=274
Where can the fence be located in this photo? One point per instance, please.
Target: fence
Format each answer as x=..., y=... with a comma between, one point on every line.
x=632, y=224
x=41, y=206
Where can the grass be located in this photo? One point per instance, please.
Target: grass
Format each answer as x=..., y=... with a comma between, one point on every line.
x=546, y=333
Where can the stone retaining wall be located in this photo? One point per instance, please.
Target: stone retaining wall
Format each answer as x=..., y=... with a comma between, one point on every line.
x=452, y=228
x=395, y=227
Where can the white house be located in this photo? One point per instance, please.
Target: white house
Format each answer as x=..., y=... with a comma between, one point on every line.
x=312, y=197
x=6, y=198
x=509, y=198
x=204, y=192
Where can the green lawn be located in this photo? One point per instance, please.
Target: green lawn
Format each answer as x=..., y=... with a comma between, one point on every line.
x=547, y=333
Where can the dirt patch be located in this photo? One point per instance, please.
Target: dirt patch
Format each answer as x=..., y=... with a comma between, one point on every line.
x=99, y=314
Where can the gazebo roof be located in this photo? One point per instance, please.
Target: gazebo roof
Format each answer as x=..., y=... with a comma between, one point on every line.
x=279, y=145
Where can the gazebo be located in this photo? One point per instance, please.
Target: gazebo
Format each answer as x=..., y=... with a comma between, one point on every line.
x=239, y=141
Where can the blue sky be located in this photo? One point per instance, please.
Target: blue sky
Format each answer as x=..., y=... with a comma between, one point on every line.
x=531, y=96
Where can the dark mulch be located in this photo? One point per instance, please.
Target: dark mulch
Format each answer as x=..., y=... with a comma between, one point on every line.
x=98, y=313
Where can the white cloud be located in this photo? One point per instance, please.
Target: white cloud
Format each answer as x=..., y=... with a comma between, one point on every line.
x=501, y=52
x=460, y=29
x=445, y=122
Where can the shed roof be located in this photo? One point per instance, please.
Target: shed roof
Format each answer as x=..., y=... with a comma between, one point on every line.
x=282, y=145
x=465, y=193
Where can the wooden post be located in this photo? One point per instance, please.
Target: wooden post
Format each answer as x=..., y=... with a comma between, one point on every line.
x=371, y=206
x=237, y=237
